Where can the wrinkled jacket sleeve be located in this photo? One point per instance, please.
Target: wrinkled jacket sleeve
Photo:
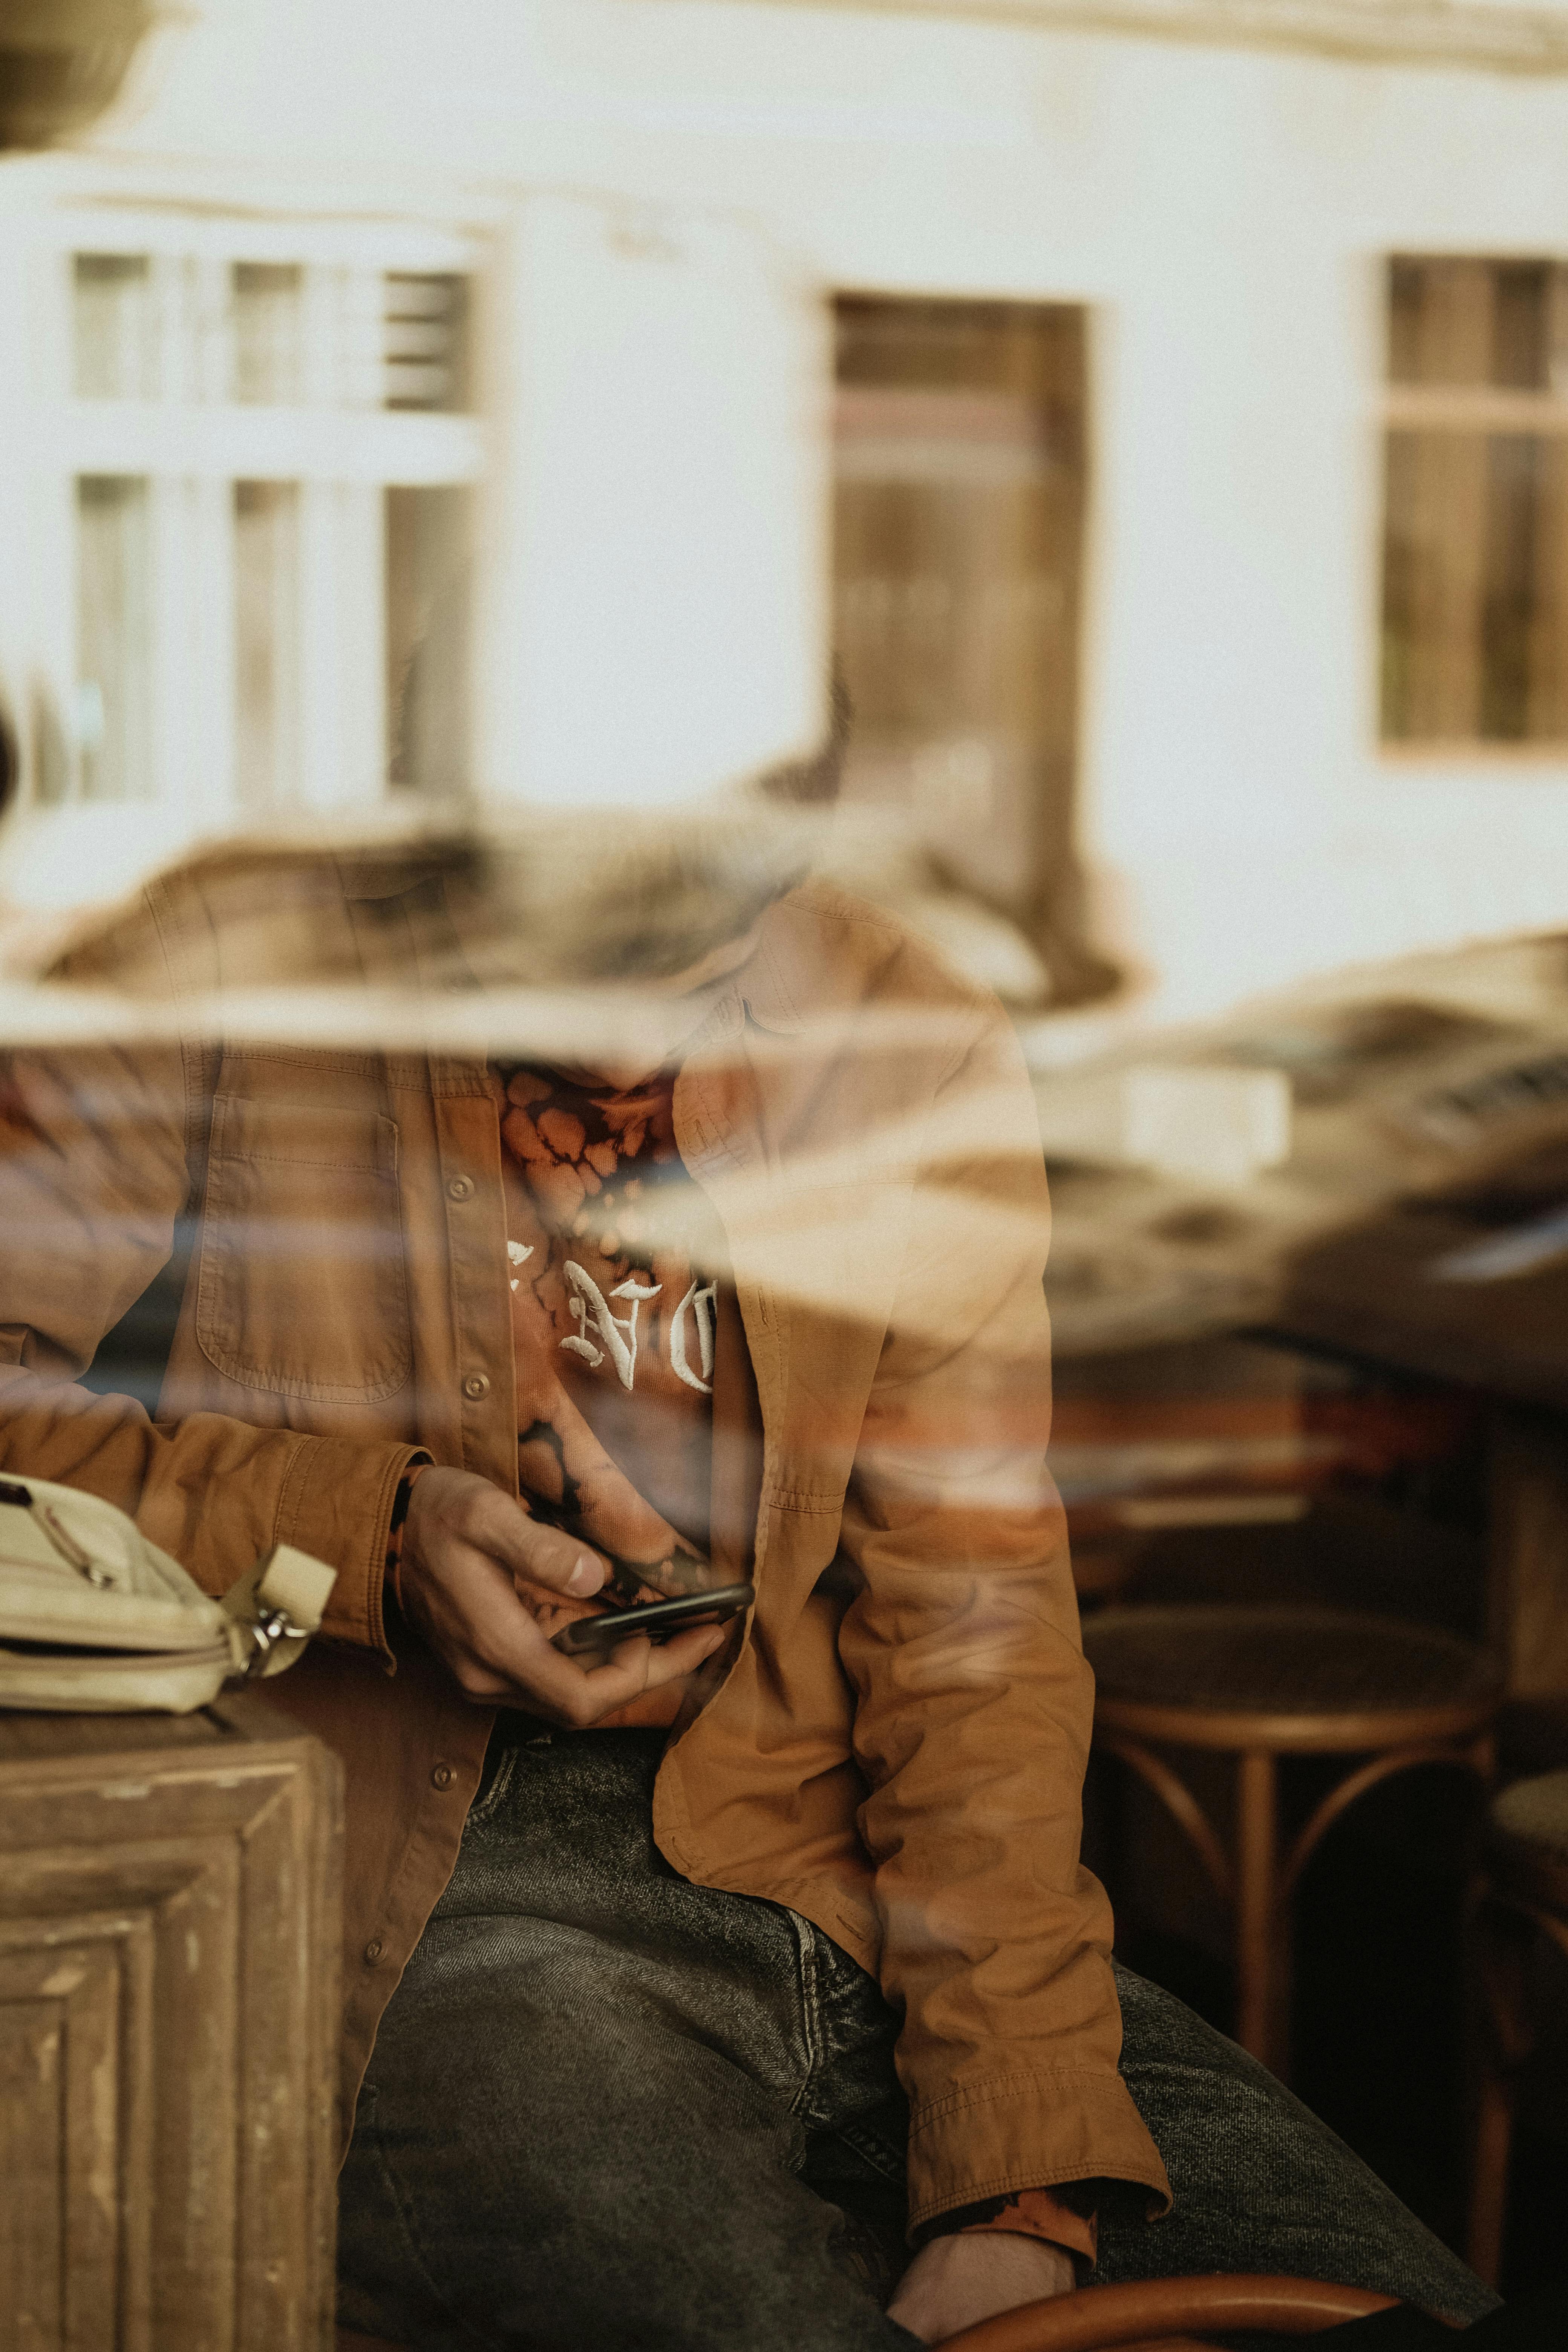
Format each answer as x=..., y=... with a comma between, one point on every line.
x=94, y=1176
x=974, y=1702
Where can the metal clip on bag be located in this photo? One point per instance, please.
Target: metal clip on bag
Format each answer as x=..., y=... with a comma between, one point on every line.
x=96, y=1620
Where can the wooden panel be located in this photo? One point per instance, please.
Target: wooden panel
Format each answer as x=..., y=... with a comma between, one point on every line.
x=32, y=1737
x=32, y=2250
x=168, y=2013
x=78, y=1997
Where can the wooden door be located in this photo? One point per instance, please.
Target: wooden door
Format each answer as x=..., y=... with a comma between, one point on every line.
x=960, y=449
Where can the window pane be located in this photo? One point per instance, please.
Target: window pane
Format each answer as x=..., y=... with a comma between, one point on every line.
x=1475, y=643
x=268, y=340
x=425, y=341
x=113, y=638
x=1475, y=322
x=115, y=327
x=267, y=642
x=427, y=637
x=1521, y=296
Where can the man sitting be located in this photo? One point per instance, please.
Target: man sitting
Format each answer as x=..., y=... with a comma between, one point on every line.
x=745, y=1990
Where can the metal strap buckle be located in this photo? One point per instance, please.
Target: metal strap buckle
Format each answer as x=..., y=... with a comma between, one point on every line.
x=267, y=1628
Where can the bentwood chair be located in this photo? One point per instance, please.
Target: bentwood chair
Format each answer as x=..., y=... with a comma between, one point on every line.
x=1152, y=2316
x=1178, y=2315
x=1258, y=1684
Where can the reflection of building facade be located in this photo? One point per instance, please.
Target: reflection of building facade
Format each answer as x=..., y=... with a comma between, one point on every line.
x=248, y=519
x=1192, y=468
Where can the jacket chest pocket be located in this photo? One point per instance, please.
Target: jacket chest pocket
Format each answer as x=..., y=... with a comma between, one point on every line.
x=302, y=1289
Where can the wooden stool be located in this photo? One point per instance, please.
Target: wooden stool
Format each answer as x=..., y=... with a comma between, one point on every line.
x=1524, y=1898
x=1266, y=1682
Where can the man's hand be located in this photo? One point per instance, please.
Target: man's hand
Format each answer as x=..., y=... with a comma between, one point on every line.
x=957, y=2281
x=463, y=1544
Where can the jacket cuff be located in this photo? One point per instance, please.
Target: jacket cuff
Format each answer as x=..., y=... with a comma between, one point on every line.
x=1011, y=2132
x=1042, y=2213
x=402, y=1496
x=336, y=1504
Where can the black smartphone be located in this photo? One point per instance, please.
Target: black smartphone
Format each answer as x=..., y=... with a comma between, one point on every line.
x=594, y=1636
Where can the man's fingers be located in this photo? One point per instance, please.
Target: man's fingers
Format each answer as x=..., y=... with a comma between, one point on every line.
x=467, y=1547
x=637, y=1664
x=493, y=1523
x=516, y=1660
x=664, y=1662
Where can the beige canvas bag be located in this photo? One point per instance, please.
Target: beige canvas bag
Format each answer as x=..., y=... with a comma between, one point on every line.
x=96, y=1620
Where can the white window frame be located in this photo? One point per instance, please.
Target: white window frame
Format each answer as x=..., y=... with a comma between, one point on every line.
x=340, y=446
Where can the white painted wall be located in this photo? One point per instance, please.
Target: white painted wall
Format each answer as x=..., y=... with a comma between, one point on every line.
x=657, y=543
x=1224, y=212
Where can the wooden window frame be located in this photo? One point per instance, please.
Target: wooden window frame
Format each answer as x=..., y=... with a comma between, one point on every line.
x=1414, y=417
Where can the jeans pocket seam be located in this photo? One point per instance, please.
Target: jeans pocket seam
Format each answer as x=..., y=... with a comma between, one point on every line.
x=810, y=2010
x=481, y=1811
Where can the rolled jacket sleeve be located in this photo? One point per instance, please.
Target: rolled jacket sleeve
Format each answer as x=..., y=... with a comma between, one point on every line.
x=94, y=1179
x=974, y=1702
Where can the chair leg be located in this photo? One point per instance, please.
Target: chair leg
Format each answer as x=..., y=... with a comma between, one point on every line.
x=1493, y=2146
x=1256, y=1922
x=1502, y=1938
x=1282, y=1985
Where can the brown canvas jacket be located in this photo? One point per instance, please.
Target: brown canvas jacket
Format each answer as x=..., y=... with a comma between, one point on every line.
x=896, y=1751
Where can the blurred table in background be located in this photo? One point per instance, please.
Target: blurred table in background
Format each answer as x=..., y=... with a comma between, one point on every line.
x=1240, y=1468
x=1402, y=1269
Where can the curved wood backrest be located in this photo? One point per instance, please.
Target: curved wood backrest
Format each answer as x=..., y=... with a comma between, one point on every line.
x=1158, y=2315
x=1150, y=2316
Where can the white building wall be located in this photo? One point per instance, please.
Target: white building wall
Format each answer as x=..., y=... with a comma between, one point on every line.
x=1225, y=213
x=658, y=544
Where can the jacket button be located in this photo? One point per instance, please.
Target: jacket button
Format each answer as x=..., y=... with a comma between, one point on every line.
x=475, y=1386
x=372, y=1951
x=442, y=1777
x=460, y=1188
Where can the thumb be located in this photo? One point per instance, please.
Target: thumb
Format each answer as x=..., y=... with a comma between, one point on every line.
x=526, y=1547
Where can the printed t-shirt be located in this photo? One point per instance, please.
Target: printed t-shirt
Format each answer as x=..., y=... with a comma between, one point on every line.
x=613, y=1295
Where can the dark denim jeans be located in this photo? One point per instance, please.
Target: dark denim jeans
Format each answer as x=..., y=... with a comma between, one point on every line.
x=608, y=2107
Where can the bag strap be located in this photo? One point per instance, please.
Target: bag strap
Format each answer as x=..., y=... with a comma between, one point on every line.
x=275, y=1607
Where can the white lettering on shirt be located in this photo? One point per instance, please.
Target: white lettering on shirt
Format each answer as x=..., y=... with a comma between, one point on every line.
x=588, y=1306
x=700, y=1301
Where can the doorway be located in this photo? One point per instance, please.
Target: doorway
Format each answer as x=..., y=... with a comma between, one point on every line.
x=960, y=477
